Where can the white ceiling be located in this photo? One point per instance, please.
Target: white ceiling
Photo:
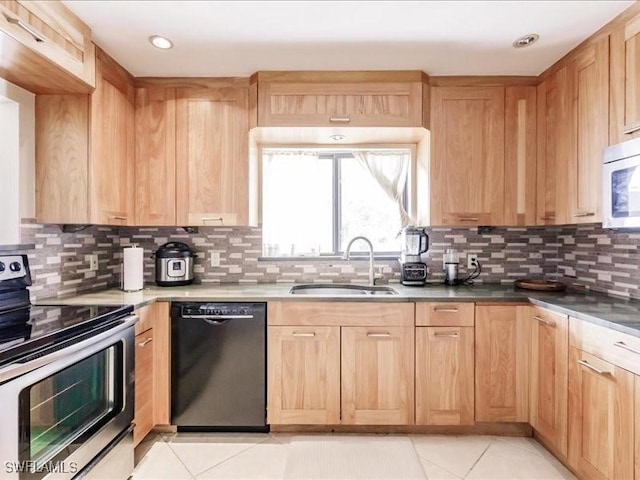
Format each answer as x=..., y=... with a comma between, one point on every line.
x=237, y=38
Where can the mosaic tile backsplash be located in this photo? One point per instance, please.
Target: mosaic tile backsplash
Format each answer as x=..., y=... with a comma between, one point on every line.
x=589, y=255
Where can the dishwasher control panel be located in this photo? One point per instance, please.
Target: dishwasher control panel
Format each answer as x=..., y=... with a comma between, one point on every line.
x=192, y=310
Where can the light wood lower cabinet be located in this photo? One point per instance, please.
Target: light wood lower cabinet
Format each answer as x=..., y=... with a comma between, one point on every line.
x=303, y=375
x=502, y=363
x=144, y=374
x=377, y=375
x=444, y=376
x=549, y=374
x=601, y=421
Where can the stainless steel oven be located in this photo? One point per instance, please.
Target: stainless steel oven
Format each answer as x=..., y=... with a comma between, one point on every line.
x=62, y=406
x=621, y=185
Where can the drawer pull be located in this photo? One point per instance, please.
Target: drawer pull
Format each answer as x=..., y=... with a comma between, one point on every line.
x=446, y=334
x=117, y=217
x=146, y=342
x=375, y=335
x=468, y=219
x=626, y=347
x=631, y=129
x=586, y=364
x=445, y=310
x=548, y=217
x=546, y=322
x=15, y=21
x=212, y=219
x=585, y=214
x=304, y=334
x=340, y=119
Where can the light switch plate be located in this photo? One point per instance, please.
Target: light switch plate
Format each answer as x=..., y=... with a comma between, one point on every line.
x=93, y=263
x=215, y=259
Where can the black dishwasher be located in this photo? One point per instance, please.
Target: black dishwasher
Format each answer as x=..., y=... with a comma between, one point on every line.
x=218, y=366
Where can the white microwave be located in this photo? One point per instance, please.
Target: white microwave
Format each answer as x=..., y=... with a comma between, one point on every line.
x=621, y=185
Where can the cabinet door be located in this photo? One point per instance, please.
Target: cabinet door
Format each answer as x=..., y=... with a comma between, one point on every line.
x=303, y=370
x=601, y=405
x=549, y=374
x=112, y=145
x=351, y=104
x=520, y=156
x=212, y=156
x=467, y=164
x=144, y=392
x=444, y=376
x=155, y=169
x=554, y=148
x=502, y=363
x=378, y=375
x=589, y=83
x=625, y=81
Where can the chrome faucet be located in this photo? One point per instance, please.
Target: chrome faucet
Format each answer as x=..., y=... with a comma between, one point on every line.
x=347, y=255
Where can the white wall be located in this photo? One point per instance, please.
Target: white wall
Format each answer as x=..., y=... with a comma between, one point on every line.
x=13, y=97
x=9, y=173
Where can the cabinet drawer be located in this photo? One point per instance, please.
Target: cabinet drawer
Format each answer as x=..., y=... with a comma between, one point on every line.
x=143, y=415
x=445, y=314
x=146, y=319
x=617, y=348
x=341, y=314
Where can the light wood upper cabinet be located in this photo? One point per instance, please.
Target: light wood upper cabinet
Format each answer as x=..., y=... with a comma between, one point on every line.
x=303, y=375
x=378, y=375
x=112, y=134
x=520, y=156
x=49, y=51
x=588, y=76
x=444, y=376
x=601, y=409
x=155, y=165
x=363, y=99
x=625, y=81
x=85, y=151
x=502, y=363
x=467, y=164
x=554, y=148
x=549, y=374
x=212, y=160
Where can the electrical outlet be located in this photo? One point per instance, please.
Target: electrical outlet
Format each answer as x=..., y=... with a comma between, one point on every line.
x=472, y=260
x=215, y=259
x=93, y=263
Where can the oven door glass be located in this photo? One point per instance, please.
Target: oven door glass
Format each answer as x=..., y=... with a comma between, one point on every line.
x=61, y=411
x=625, y=192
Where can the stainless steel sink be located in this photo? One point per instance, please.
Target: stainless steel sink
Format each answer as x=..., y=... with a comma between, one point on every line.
x=340, y=289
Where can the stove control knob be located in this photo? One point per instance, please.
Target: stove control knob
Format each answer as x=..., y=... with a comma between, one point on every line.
x=2, y=267
x=15, y=267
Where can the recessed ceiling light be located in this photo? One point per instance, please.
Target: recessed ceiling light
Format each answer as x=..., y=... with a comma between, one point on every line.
x=526, y=40
x=337, y=138
x=160, y=42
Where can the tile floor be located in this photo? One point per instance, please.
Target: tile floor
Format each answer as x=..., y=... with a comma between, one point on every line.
x=343, y=457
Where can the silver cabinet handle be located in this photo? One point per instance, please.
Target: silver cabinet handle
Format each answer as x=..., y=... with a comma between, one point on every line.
x=212, y=219
x=304, y=334
x=586, y=364
x=446, y=334
x=626, y=347
x=631, y=129
x=373, y=335
x=545, y=321
x=117, y=217
x=468, y=219
x=339, y=119
x=146, y=342
x=445, y=310
x=548, y=217
x=27, y=28
x=584, y=214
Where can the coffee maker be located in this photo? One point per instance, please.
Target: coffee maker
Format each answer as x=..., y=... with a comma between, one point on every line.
x=415, y=242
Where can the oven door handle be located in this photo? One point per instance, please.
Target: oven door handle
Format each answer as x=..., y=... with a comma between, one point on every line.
x=17, y=369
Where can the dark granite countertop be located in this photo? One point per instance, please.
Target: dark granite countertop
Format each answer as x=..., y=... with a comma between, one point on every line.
x=617, y=313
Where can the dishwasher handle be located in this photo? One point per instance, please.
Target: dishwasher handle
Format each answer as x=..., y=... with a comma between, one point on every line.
x=218, y=317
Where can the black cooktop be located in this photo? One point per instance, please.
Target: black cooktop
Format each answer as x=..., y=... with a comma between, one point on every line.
x=26, y=330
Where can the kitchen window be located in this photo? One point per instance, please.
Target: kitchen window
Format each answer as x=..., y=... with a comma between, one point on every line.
x=315, y=200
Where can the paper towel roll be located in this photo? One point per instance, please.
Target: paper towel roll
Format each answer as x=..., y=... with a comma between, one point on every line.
x=133, y=269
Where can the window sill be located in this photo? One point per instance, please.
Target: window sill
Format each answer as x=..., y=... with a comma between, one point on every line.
x=330, y=258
